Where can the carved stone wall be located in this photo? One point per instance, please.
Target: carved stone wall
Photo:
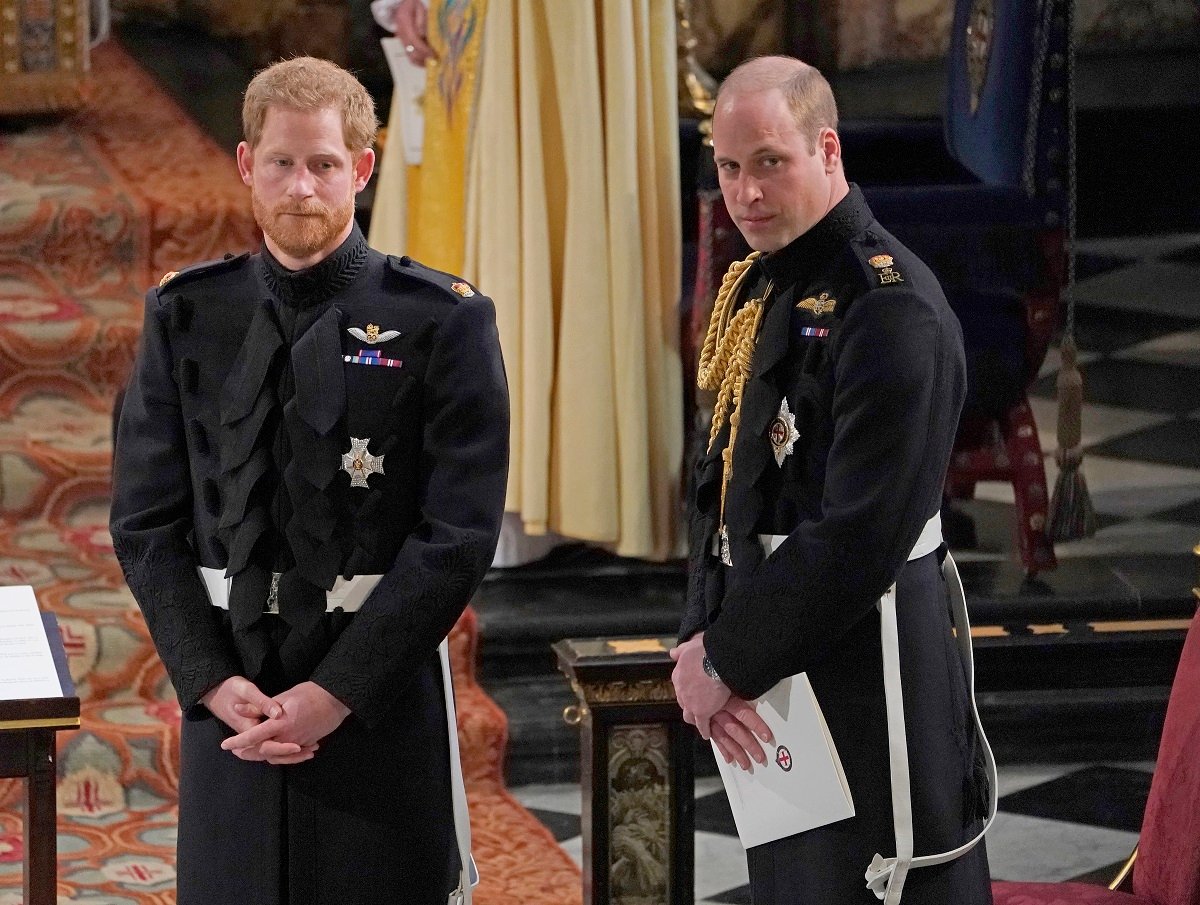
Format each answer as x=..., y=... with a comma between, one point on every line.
x=853, y=34
x=730, y=31
x=1137, y=24
x=268, y=29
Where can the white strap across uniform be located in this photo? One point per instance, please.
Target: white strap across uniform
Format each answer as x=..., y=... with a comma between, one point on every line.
x=349, y=595
x=468, y=874
x=885, y=876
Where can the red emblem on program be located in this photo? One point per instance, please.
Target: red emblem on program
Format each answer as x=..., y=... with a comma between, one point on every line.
x=783, y=757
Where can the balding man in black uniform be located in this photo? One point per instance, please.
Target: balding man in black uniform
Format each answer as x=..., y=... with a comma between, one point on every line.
x=839, y=372
x=308, y=486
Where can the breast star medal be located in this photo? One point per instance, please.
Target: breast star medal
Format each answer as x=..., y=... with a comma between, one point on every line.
x=783, y=433
x=360, y=464
x=372, y=334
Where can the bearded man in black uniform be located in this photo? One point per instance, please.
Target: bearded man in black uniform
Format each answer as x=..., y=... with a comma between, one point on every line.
x=309, y=479
x=839, y=373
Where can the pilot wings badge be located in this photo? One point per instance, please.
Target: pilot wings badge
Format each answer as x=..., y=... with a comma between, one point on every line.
x=372, y=334
x=821, y=305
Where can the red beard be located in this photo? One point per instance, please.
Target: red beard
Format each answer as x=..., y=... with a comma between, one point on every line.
x=302, y=230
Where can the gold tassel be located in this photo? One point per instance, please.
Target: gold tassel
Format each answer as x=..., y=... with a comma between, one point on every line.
x=725, y=361
x=1071, y=514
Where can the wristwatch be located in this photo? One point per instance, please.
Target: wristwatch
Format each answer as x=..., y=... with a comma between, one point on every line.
x=709, y=669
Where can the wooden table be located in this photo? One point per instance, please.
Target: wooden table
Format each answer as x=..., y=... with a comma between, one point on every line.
x=27, y=751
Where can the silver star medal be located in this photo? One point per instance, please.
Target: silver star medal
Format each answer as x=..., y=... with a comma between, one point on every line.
x=360, y=464
x=783, y=433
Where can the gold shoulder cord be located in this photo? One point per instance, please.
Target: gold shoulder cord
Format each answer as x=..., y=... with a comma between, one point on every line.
x=725, y=363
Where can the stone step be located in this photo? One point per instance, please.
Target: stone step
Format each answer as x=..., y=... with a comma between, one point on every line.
x=576, y=592
x=1111, y=664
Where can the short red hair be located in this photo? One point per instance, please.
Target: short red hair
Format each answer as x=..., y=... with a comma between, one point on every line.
x=308, y=83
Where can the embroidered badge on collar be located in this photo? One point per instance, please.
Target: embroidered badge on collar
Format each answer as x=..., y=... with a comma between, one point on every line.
x=463, y=289
x=783, y=433
x=372, y=334
x=884, y=264
x=360, y=464
x=820, y=305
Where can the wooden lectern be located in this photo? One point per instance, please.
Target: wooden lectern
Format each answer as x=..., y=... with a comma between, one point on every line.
x=636, y=771
x=27, y=751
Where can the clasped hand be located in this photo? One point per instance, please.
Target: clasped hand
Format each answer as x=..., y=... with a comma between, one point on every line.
x=729, y=721
x=285, y=729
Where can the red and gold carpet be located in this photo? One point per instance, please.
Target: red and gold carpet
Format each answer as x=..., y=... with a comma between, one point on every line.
x=92, y=210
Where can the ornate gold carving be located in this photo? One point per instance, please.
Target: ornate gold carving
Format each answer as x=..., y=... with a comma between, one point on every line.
x=639, y=814
x=642, y=691
x=979, y=48
x=697, y=89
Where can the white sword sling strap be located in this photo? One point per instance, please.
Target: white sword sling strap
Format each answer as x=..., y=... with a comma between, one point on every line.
x=468, y=875
x=348, y=596
x=885, y=876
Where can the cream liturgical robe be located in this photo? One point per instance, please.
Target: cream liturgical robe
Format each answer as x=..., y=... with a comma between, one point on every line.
x=556, y=192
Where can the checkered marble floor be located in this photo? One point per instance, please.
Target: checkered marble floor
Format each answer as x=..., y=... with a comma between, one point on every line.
x=1138, y=332
x=1056, y=822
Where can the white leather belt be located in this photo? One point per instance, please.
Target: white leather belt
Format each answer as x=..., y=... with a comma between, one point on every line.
x=930, y=539
x=347, y=595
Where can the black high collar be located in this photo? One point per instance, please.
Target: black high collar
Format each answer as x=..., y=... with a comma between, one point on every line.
x=320, y=282
x=800, y=260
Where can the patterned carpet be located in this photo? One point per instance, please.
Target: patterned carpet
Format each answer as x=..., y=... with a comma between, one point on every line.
x=94, y=209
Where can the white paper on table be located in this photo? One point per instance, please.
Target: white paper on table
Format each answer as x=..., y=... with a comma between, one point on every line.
x=408, y=81
x=26, y=665
x=770, y=802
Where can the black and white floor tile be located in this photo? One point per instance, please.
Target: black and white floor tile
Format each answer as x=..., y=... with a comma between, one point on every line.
x=1138, y=332
x=1056, y=822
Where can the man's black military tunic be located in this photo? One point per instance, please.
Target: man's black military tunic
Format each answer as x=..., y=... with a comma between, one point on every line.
x=859, y=341
x=250, y=385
